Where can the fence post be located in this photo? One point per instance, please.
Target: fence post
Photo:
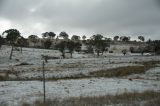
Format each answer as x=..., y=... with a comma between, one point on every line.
x=44, y=91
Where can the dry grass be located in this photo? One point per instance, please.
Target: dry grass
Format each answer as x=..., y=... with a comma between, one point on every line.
x=124, y=71
x=4, y=74
x=147, y=98
x=121, y=71
x=116, y=72
x=73, y=65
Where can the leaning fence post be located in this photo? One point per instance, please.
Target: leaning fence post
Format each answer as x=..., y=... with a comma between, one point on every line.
x=44, y=91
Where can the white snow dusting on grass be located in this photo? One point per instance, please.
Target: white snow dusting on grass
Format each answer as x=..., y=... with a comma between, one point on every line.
x=17, y=92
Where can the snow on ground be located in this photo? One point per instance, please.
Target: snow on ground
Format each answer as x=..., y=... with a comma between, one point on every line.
x=79, y=64
x=16, y=92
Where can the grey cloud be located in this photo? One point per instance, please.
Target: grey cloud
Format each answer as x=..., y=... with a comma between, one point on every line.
x=84, y=16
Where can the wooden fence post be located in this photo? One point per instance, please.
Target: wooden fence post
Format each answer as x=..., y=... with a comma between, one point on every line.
x=44, y=91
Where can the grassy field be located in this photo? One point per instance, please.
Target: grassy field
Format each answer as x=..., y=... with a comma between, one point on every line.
x=147, y=98
x=115, y=72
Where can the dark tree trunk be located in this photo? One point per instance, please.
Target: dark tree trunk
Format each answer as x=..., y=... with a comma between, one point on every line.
x=63, y=54
x=10, y=57
x=142, y=53
x=98, y=53
x=102, y=52
x=71, y=54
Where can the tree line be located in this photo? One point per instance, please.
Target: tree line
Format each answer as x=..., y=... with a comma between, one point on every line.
x=96, y=43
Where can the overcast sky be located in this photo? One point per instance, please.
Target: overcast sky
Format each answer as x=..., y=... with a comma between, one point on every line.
x=82, y=17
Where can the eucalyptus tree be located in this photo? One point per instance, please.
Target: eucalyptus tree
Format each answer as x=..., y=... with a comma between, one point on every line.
x=75, y=38
x=64, y=35
x=73, y=46
x=33, y=39
x=50, y=35
x=48, y=41
x=84, y=37
x=21, y=41
x=11, y=37
x=61, y=46
x=116, y=38
x=125, y=38
x=99, y=43
x=141, y=38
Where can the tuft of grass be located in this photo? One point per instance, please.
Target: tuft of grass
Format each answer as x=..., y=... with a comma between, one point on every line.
x=147, y=98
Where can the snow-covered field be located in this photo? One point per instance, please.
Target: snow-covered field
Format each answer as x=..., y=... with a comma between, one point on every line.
x=16, y=92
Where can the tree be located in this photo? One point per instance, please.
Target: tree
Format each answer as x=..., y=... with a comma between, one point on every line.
x=142, y=49
x=75, y=38
x=12, y=35
x=2, y=41
x=104, y=45
x=71, y=45
x=21, y=42
x=84, y=37
x=141, y=38
x=116, y=38
x=149, y=41
x=153, y=46
x=99, y=43
x=125, y=38
x=108, y=39
x=131, y=49
x=47, y=44
x=78, y=46
x=44, y=35
x=124, y=52
x=89, y=46
x=61, y=47
x=64, y=35
x=156, y=45
x=49, y=35
x=33, y=39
